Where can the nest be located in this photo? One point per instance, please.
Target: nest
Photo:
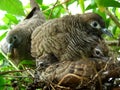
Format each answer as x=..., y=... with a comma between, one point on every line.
x=83, y=74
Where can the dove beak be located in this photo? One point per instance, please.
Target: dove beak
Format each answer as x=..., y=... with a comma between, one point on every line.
x=10, y=48
x=105, y=31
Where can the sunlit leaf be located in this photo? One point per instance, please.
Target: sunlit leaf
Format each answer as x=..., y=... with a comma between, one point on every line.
x=117, y=32
x=81, y=2
x=12, y=18
x=46, y=12
x=44, y=7
x=3, y=27
x=91, y=6
x=12, y=6
x=57, y=11
x=3, y=36
x=6, y=20
x=1, y=62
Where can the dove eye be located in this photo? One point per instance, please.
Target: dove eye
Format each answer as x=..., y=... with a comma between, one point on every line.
x=11, y=39
x=98, y=53
x=14, y=37
x=95, y=24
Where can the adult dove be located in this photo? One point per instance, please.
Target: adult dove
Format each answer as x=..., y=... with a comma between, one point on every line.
x=18, y=40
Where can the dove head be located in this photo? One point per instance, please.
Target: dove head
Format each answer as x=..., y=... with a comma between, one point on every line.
x=17, y=45
x=18, y=40
x=101, y=50
x=96, y=24
x=14, y=39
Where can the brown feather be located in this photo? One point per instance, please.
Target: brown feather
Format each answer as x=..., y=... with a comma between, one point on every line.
x=67, y=38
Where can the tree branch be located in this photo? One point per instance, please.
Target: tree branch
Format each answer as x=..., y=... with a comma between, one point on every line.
x=52, y=9
x=113, y=17
x=56, y=5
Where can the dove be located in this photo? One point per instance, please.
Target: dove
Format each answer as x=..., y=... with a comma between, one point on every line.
x=69, y=37
x=18, y=40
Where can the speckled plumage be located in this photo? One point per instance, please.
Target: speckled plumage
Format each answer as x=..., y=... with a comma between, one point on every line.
x=67, y=38
x=73, y=74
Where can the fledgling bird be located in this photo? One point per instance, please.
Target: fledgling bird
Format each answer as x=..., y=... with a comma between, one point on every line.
x=69, y=37
x=72, y=73
x=18, y=40
x=101, y=51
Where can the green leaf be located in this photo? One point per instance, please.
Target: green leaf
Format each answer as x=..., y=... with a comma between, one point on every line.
x=3, y=27
x=114, y=30
x=46, y=13
x=2, y=83
x=44, y=7
x=91, y=6
x=81, y=2
x=12, y=6
x=28, y=63
x=6, y=20
x=1, y=57
x=1, y=62
x=3, y=36
x=57, y=11
x=39, y=1
x=12, y=18
x=107, y=22
x=107, y=3
x=9, y=19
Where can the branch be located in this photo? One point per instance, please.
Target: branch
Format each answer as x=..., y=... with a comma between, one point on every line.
x=65, y=7
x=52, y=9
x=9, y=60
x=56, y=5
x=7, y=72
x=112, y=17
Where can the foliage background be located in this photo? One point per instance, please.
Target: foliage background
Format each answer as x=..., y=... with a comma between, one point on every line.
x=15, y=11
